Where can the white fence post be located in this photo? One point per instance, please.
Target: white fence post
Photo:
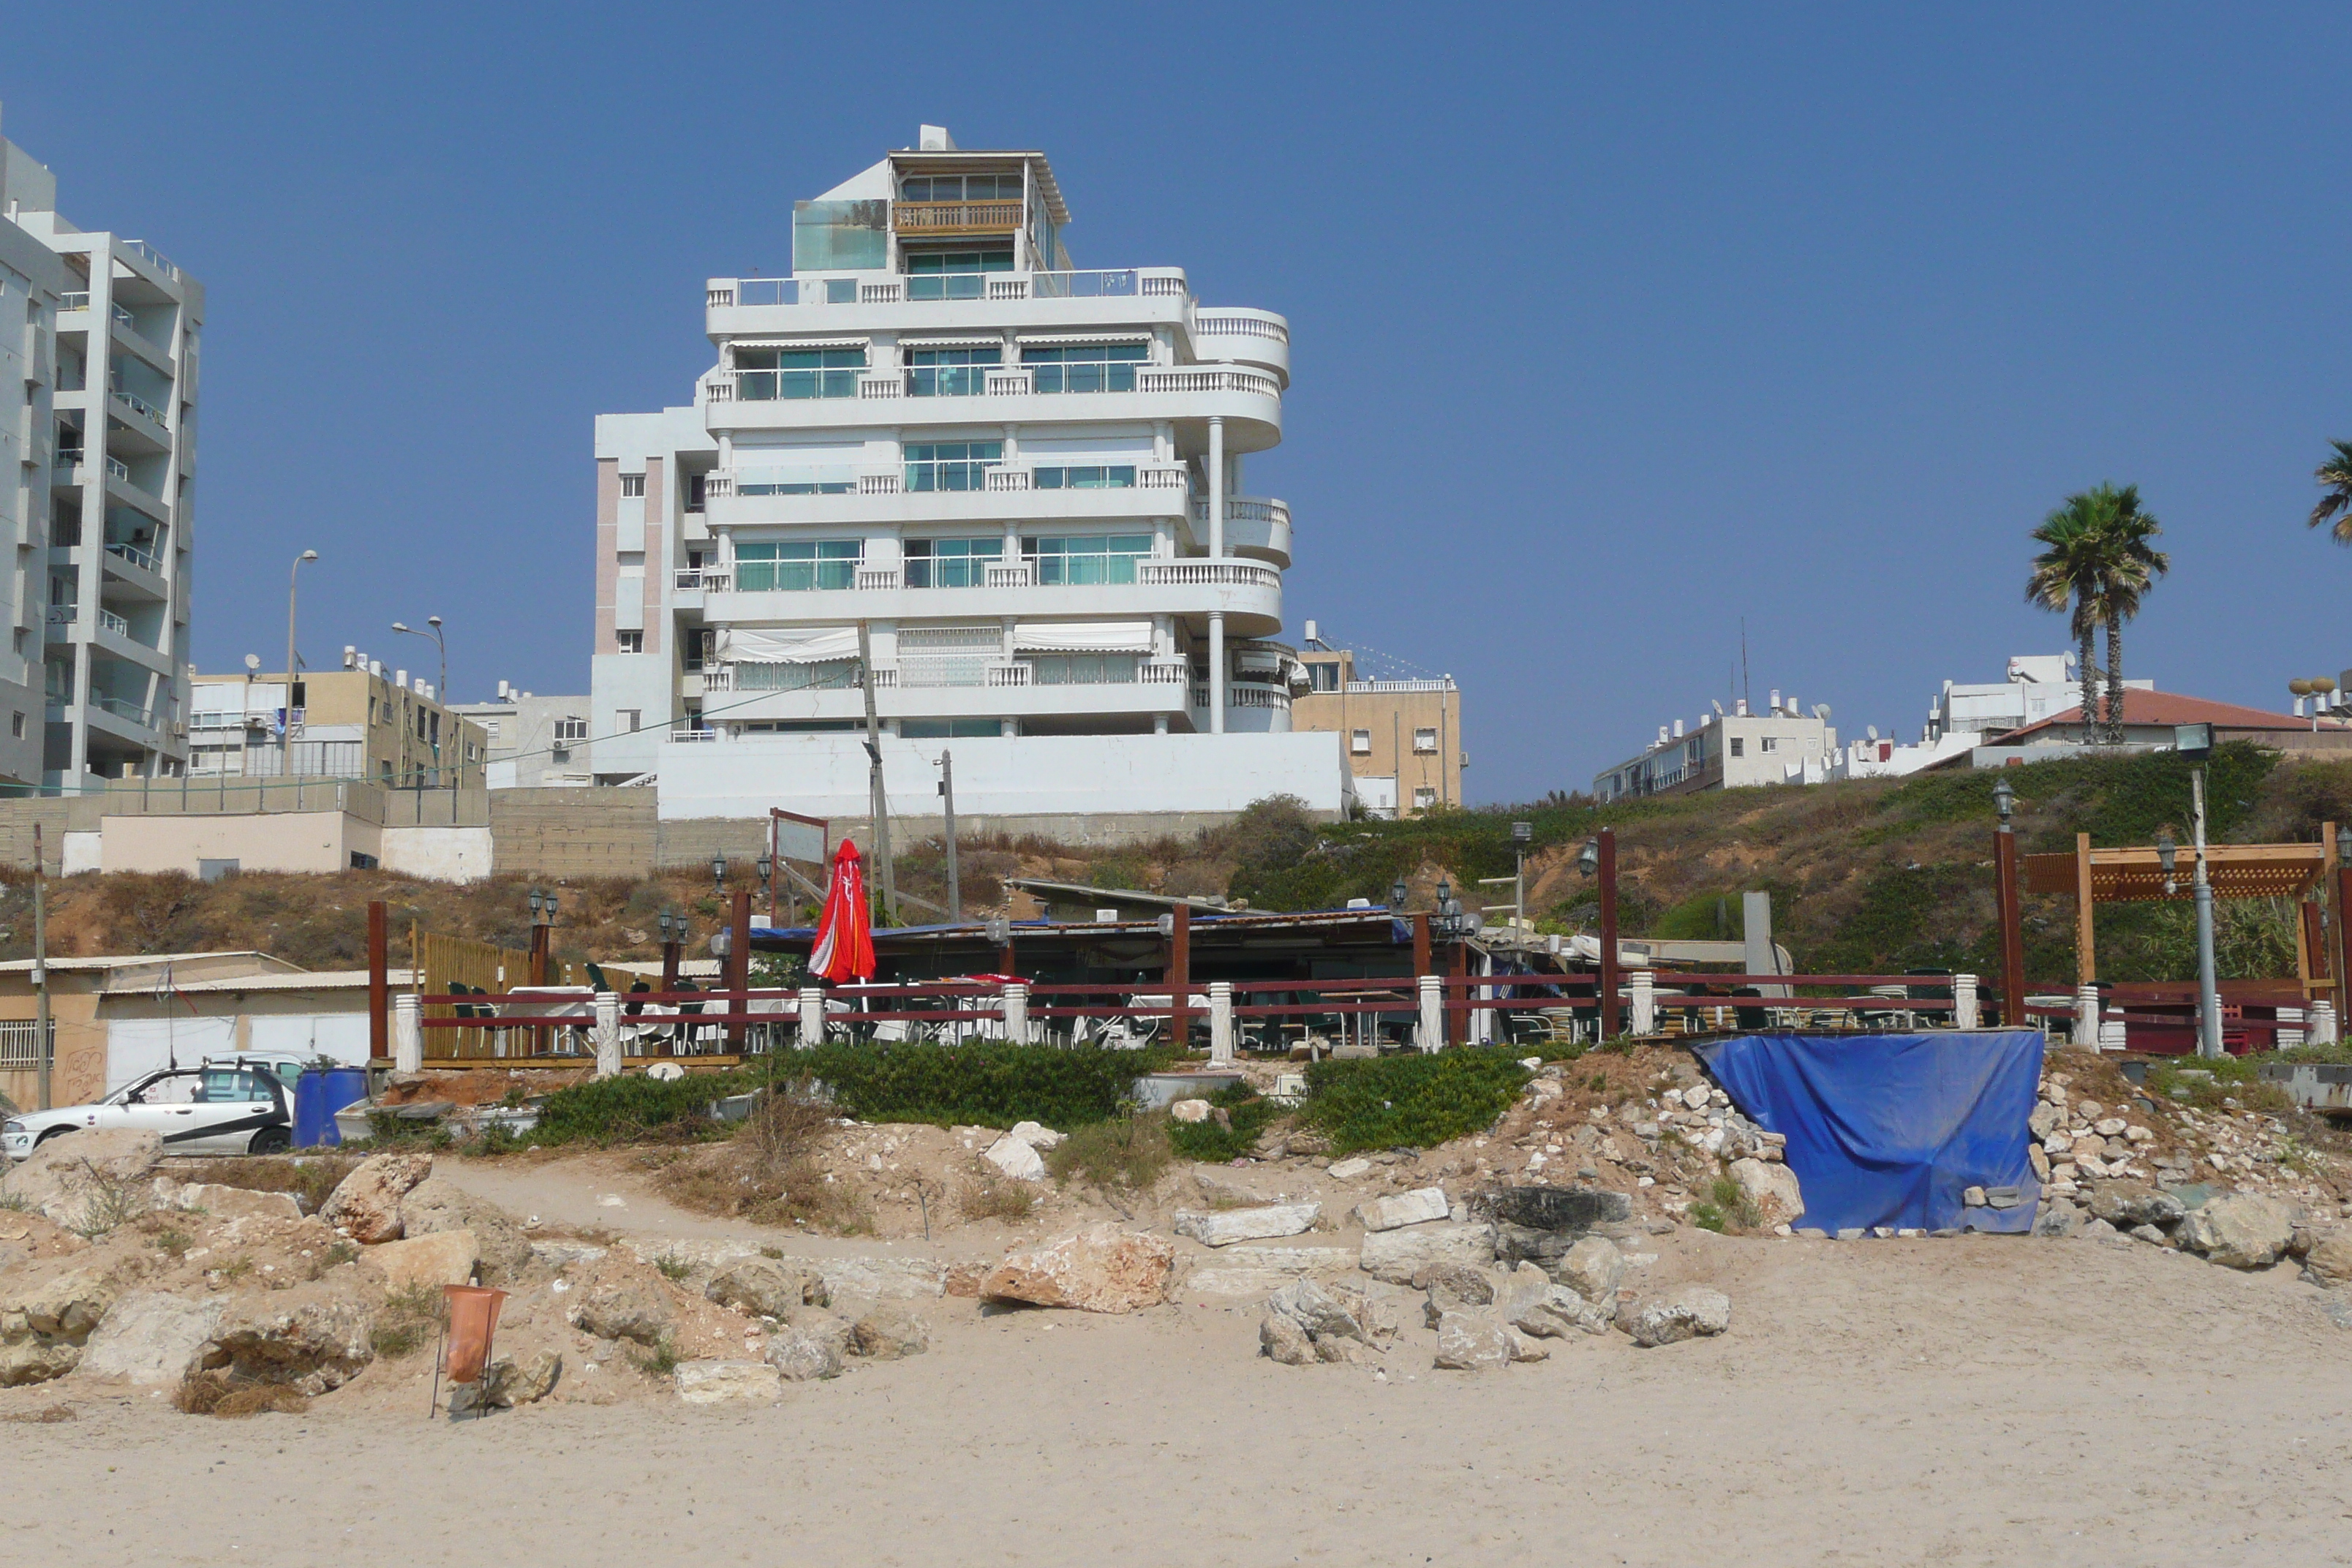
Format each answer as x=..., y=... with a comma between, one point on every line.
x=407, y=1033
x=1433, y=1013
x=608, y=1035
x=1221, y=1022
x=2086, y=1018
x=1016, y=1014
x=812, y=1016
x=1964, y=1002
x=1646, y=1002
x=2323, y=1024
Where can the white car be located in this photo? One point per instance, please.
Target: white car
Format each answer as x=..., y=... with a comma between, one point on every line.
x=216, y=1109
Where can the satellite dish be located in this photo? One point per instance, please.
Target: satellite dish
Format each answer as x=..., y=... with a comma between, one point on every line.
x=1716, y=706
x=1823, y=712
x=253, y=661
x=1871, y=731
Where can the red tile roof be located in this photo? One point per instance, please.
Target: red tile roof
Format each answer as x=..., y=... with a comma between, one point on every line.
x=2153, y=707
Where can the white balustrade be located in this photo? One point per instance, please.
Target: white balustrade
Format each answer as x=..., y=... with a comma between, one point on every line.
x=874, y=579
x=881, y=293
x=1002, y=478
x=1202, y=574
x=1006, y=577
x=874, y=384
x=720, y=482
x=1165, y=672
x=1010, y=384
x=1215, y=324
x=1205, y=378
x=1009, y=674
x=1008, y=287
x=1171, y=477
x=885, y=483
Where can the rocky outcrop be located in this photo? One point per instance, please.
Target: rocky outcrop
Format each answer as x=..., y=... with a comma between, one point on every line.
x=759, y=1286
x=1592, y=1269
x=623, y=1310
x=1101, y=1268
x=1468, y=1342
x=365, y=1206
x=1422, y=1206
x=311, y=1338
x=48, y=1316
x=1395, y=1255
x=152, y=1339
x=436, y=1206
x=724, y=1382
x=888, y=1333
x=2240, y=1230
x=805, y=1354
x=1559, y=1312
x=1772, y=1188
x=1692, y=1312
x=89, y=1182
x=1303, y=1324
x=1225, y=1227
x=2329, y=1261
x=427, y=1262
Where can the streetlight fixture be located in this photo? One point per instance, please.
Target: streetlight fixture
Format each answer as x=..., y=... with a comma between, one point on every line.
x=286, y=736
x=441, y=691
x=1522, y=834
x=1588, y=860
x=1398, y=893
x=2004, y=800
x=717, y=871
x=2168, y=855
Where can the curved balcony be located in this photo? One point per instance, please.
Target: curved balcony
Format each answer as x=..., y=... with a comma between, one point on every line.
x=1248, y=593
x=1249, y=401
x=1243, y=336
x=880, y=302
x=745, y=495
x=1256, y=527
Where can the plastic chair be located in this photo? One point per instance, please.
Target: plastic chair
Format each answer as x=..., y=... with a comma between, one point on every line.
x=466, y=1340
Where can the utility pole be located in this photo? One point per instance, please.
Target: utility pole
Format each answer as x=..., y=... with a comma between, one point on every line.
x=2209, y=991
x=947, y=793
x=40, y=970
x=885, y=873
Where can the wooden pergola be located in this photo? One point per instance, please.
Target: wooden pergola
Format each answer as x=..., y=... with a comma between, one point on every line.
x=2136, y=874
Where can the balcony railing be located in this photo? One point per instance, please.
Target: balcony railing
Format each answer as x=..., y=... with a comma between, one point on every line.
x=1165, y=672
x=153, y=257
x=140, y=405
x=1013, y=575
x=688, y=734
x=1246, y=694
x=923, y=287
x=1205, y=378
x=77, y=301
x=1247, y=509
x=1212, y=324
x=64, y=615
x=702, y=579
x=1012, y=674
x=123, y=707
x=1206, y=574
x=144, y=559
x=955, y=217
x=108, y=621
x=876, y=579
x=117, y=468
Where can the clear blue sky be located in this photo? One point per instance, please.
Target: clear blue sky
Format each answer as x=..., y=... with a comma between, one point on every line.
x=1610, y=325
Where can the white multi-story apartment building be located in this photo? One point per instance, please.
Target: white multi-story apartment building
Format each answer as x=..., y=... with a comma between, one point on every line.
x=1024, y=484
x=32, y=280
x=112, y=551
x=1726, y=750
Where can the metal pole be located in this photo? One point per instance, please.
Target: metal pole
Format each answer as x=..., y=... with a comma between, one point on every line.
x=2012, y=931
x=2209, y=990
x=40, y=969
x=1520, y=896
x=947, y=793
x=884, y=873
x=1608, y=1021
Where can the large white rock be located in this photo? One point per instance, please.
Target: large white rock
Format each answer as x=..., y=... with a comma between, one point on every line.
x=1772, y=1188
x=365, y=1206
x=1420, y=1206
x=226, y=1203
x=1466, y=1343
x=1235, y=1281
x=1222, y=1228
x=444, y=1258
x=2240, y=1230
x=85, y=1180
x=1692, y=1312
x=1394, y=1254
x=1035, y=1135
x=1288, y=1259
x=151, y=1337
x=718, y=1382
x=1592, y=1269
x=1101, y=1268
x=1016, y=1158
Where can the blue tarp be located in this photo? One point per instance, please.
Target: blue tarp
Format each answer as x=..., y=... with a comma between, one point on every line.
x=1889, y=1129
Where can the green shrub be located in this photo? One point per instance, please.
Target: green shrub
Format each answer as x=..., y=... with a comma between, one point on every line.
x=1248, y=1114
x=1126, y=1153
x=618, y=1110
x=1410, y=1102
x=985, y=1083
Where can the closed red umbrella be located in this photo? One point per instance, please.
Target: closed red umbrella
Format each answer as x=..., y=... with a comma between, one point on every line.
x=844, y=934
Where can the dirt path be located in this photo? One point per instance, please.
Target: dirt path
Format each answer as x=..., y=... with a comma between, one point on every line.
x=1978, y=1401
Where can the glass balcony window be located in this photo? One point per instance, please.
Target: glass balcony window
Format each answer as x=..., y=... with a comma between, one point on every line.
x=951, y=562
x=796, y=567
x=1119, y=477
x=1083, y=367
x=833, y=675
x=766, y=376
x=960, y=188
x=951, y=465
x=1085, y=668
x=813, y=481
x=1086, y=560
x=949, y=373
x=953, y=274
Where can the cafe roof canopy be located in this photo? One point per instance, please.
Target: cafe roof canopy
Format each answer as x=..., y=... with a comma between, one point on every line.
x=2127, y=875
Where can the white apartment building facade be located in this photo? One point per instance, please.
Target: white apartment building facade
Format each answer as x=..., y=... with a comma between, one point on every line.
x=32, y=281
x=535, y=742
x=1726, y=750
x=1022, y=483
x=114, y=496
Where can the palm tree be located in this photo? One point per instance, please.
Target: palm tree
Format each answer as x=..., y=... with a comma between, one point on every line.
x=2070, y=574
x=2335, y=477
x=2132, y=566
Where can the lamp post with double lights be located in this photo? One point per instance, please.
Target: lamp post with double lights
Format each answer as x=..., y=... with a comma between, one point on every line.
x=673, y=937
x=543, y=942
x=1522, y=834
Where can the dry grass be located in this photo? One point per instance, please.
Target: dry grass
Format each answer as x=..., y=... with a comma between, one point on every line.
x=992, y=1194
x=309, y=1177
x=1123, y=1155
x=410, y=1317
x=215, y=1394
x=768, y=1172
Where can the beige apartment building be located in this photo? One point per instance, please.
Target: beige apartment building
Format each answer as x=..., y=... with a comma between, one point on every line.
x=361, y=722
x=1402, y=738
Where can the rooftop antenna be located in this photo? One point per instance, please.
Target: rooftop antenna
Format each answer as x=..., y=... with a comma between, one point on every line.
x=1745, y=695
x=1716, y=706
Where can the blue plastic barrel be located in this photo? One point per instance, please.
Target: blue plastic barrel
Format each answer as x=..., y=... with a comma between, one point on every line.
x=318, y=1095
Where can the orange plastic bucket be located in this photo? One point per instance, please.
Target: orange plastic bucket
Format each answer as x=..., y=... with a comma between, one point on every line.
x=472, y=1321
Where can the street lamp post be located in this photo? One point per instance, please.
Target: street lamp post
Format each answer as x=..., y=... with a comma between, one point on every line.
x=1522, y=834
x=1598, y=858
x=2012, y=930
x=441, y=690
x=286, y=731
x=2209, y=990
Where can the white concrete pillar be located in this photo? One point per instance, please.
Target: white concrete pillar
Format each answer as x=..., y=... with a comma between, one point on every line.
x=407, y=1033
x=1431, y=1034
x=2323, y=1024
x=2288, y=1038
x=608, y=1035
x=812, y=1016
x=1965, y=1014
x=1016, y=1014
x=1216, y=466
x=1216, y=672
x=1221, y=1022
x=1645, y=988
x=2086, y=1018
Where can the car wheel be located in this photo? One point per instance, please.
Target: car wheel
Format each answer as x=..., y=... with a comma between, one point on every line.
x=53, y=1132
x=271, y=1141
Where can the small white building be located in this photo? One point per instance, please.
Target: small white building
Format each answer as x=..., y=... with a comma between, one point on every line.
x=535, y=742
x=2036, y=686
x=1733, y=750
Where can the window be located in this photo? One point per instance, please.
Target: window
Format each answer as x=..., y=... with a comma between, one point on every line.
x=696, y=486
x=804, y=481
x=951, y=562
x=1771, y=743
x=1085, y=367
x=1324, y=677
x=1360, y=742
x=767, y=375
x=1085, y=668
x=630, y=642
x=1121, y=477
x=796, y=567
x=834, y=675
x=951, y=465
x=949, y=373
x=17, y=725
x=568, y=730
x=1424, y=741
x=697, y=651
x=629, y=719
x=19, y=638
x=633, y=485
x=947, y=655
x=1422, y=799
x=1738, y=746
x=1095, y=558
x=953, y=274
x=949, y=728
x=960, y=188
